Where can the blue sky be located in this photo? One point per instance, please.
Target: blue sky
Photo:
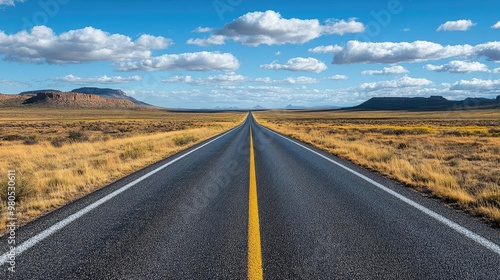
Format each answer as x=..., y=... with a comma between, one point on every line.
x=202, y=54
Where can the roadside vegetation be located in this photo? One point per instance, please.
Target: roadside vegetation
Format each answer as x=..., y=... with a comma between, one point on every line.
x=62, y=155
x=453, y=156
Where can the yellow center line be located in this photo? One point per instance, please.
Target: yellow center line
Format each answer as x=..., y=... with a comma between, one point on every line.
x=254, y=248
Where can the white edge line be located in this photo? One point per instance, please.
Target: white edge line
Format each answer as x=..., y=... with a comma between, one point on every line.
x=61, y=224
x=458, y=228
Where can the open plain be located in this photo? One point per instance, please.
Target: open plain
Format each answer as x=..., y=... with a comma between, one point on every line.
x=61, y=155
x=450, y=155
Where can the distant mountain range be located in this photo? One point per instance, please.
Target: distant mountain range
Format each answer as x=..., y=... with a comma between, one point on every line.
x=226, y=108
x=433, y=103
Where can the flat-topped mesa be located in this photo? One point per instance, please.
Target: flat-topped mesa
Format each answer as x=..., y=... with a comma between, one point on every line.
x=100, y=91
x=78, y=100
x=426, y=103
x=109, y=93
x=69, y=96
x=39, y=91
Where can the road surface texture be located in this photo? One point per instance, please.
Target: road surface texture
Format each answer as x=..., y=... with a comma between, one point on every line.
x=278, y=210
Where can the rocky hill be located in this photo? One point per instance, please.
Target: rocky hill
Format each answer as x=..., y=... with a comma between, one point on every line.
x=75, y=100
x=78, y=98
x=39, y=91
x=433, y=103
x=109, y=93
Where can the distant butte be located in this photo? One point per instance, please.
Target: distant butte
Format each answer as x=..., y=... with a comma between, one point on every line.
x=87, y=97
x=433, y=103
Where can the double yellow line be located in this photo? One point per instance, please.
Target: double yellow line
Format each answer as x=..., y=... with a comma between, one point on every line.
x=254, y=248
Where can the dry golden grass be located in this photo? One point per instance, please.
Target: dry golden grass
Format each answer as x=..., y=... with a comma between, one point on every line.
x=60, y=155
x=454, y=156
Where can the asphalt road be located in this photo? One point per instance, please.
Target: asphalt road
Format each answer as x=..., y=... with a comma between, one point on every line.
x=319, y=217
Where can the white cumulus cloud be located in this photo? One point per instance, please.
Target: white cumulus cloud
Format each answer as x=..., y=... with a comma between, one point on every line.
x=458, y=25
x=42, y=45
x=496, y=25
x=457, y=66
x=270, y=28
x=490, y=50
x=403, y=82
x=98, y=80
x=338, y=77
x=391, y=53
x=14, y=83
x=224, y=79
x=397, y=69
x=212, y=40
x=200, y=29
x=326, y=49
x=197, y=61
x=342, y=27
x=289, y=80
x=298, y=64
x=477, y=85
x=9, y=2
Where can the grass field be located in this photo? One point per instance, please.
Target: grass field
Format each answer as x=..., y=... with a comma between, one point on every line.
x=454, y=156
x=61, y=155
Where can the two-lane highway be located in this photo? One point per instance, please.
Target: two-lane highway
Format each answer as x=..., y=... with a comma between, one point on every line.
x=250, y=204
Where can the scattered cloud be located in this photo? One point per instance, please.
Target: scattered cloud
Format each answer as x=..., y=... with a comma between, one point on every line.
x=224, y=79
x=338, y=77
x=326, y=49
x=341, y=27
x=298, y=64
x=212, y=40
x=9, y=2
x=200, y=29
x=490, y=50
x=496, y=70
x=290, y=80
x=406, y=29
x=13, y=83
x=458, y=25
x=397, y=69
x=232, y=78
x=270, y=28
x=403, y=82
x=198, y=61
x=496, y=25
x=98, y=80
x=391, y=53
x=457, y=66
x=42, y=45
x=277, y=53
x=265, y=80
x=477, y=85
